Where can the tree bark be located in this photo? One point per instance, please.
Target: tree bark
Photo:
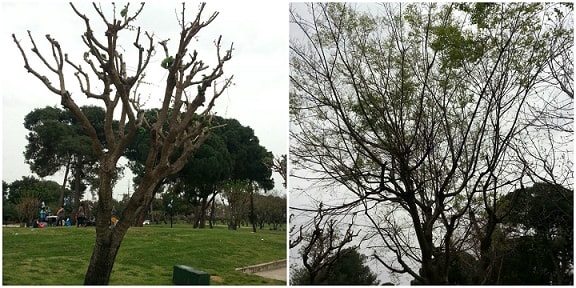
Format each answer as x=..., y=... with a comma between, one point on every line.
x=76, y=188
x=184, y=134
x=103, y=257
x=252, y=213
x=200, y=214
x=63, y=188
x=108, y=239
x=212, y=210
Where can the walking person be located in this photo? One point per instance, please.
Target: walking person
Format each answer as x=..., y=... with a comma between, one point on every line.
x=42, y=215
x=60, y=215
x=81, y=216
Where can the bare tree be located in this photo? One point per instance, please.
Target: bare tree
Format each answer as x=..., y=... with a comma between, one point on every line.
x=415, y=111
x=550, y=133
x=181, y=122
x=322, y=244
x=279, y=165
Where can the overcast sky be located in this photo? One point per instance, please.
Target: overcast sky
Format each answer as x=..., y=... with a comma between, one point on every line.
x=258, y=99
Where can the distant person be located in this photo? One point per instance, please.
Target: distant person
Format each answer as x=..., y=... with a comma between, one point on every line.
x=60, y=215
x=42, y=214
x=81, y=216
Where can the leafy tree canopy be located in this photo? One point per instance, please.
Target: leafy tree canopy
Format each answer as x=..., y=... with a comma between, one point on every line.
x=347, y=268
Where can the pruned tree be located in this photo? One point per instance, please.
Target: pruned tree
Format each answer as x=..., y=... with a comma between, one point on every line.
x=321, y=247
x=186, y=107
x=199, y=178
x=415, y=112
x=279, y=165
x=233, y=153
x=348, y=268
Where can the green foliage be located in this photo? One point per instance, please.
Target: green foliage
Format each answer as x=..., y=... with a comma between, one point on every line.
x=457, y=45
x=57, y=140
x=348, y=268
x=44, y=190
x=479, y=12
x=210, y=164
x=167, y=62
x=232, y=152
x=544, y=207
x=124, y=11
x=55, y=136
x=48, y=127
x=23, y=197
x=248, y=156
x=539, y=246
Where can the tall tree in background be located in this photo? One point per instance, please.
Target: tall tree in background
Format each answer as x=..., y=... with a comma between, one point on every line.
x=237, y=157
x=204, y=173
x=232, y=154
x=537, y=237
x=57, y=140
x=417, y=113
x=186, y=90
x=53, y=144
x=249, y=161
x=199, y=177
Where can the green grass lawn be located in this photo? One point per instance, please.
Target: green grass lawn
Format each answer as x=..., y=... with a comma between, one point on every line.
x=60, y=255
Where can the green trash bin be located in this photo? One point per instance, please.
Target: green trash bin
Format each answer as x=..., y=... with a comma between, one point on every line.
x=184, y=275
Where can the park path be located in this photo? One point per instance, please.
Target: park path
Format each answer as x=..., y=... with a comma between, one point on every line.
x=277, y=274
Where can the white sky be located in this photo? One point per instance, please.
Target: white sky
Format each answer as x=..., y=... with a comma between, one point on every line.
x=259, y=63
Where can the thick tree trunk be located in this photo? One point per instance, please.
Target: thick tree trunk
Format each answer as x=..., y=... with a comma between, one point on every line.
x=77, y=183
x=213, y=206
x=200, y=214
x=252, y=213
x=63, y=188
x=203, y=208
x=486, y=259
x=103, y=256
x=139, y=222
x=148, y=198
x=108, y=239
